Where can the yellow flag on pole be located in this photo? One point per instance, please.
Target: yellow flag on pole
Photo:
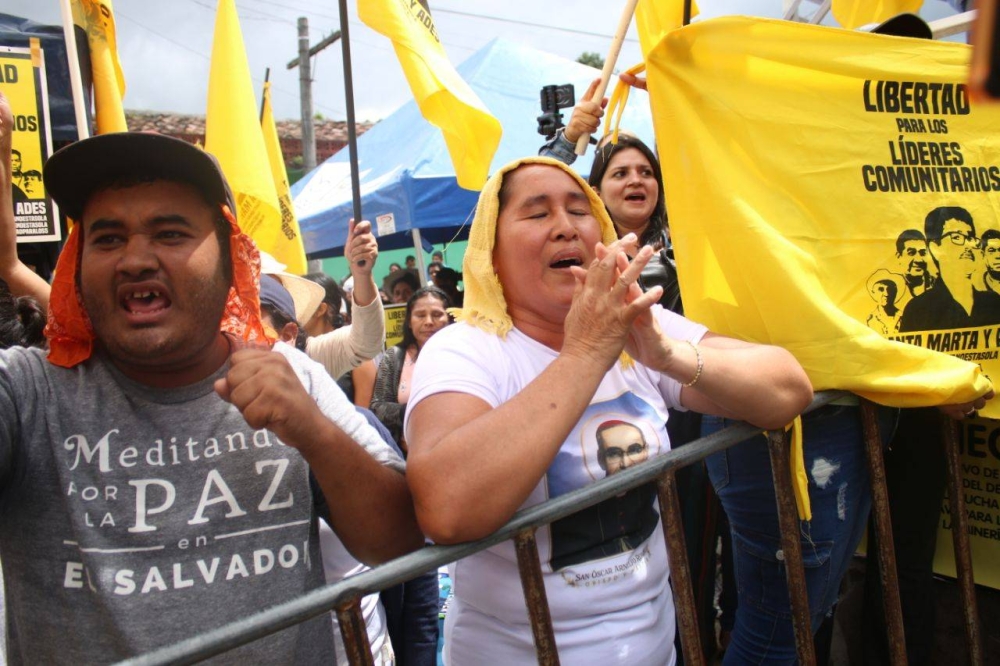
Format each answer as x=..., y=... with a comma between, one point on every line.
x=655, y=18
x=471, y=133
x=828, y=192
x=97, y=19
x=288, y=248
x=233, y=133
x=856, y=13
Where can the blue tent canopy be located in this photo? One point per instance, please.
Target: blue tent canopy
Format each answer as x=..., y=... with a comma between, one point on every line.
x=407, y=180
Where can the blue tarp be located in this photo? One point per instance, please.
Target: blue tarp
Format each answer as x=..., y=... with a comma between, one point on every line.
x=407, y=180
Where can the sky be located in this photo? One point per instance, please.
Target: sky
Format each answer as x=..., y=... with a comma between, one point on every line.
x=165, y=47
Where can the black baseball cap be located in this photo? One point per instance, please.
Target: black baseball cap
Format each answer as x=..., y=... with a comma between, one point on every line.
x=903, y=25
x=74, y=173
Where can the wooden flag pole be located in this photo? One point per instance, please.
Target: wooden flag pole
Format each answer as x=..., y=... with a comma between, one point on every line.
x=609, y=63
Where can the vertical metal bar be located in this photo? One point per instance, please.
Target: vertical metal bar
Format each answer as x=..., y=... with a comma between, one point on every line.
x=535, y=599
x=821, y=13
x=792, y=11
x=355, y=633
x=883, y=527
x=791, y=548
x=352, y=132
x=680, y=571
x=960, y=537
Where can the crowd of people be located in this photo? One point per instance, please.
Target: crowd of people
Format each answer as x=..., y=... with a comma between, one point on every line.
x=199, y=426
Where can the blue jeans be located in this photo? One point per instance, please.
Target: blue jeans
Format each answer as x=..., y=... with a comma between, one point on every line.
x=840, y=495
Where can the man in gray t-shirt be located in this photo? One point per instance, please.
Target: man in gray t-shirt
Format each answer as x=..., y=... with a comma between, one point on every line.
x=161, y=472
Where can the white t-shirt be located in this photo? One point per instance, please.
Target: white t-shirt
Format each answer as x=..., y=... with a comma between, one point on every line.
x=605, y=569
x=338, y=565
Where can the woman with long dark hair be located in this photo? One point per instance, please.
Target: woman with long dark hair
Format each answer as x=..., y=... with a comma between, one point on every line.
x=627, y=177
x=426, y=314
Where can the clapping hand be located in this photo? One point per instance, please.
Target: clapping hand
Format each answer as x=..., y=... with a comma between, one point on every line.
x=607, y=301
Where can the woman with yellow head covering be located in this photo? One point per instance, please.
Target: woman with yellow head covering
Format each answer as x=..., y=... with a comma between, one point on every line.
x=559, y=373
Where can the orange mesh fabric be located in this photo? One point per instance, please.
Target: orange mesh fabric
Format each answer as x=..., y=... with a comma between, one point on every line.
x=71, y=337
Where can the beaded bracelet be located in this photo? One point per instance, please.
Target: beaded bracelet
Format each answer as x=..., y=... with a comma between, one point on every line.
x=701, y=364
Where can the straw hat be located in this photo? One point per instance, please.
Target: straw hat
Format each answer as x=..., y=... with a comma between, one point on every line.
x=883, y=275
x=306, y=294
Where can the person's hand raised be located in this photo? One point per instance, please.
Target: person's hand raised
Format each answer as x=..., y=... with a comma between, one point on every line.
x=633, y=80
x=6, y=139
x=607, y=301
x=586, y=117
x=362, y=248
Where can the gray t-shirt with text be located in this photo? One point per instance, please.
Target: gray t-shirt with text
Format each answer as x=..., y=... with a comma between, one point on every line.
x=132, y=517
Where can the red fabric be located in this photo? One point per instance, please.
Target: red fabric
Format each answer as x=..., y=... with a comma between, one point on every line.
x=71, y=336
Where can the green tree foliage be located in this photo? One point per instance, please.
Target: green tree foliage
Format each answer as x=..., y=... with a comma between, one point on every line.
x=592, y=59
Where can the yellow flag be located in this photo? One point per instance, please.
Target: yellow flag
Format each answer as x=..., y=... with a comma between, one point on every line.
x=288, y=247
x=471, y=133
x=97, y=18
x=233, y=133
x=855, y=13
x=655, y=18
x=828, y=191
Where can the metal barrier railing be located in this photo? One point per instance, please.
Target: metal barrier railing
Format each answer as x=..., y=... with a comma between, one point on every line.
x=344, y=597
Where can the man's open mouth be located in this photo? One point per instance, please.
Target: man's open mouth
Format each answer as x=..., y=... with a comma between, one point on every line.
x=145, y=302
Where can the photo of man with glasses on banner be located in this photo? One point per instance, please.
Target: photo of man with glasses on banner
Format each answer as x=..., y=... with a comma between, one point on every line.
x=959, y=298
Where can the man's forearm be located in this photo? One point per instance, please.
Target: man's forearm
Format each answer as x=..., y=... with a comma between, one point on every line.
x=370, y=506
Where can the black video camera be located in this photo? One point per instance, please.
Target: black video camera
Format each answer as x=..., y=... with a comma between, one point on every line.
x=553, y=99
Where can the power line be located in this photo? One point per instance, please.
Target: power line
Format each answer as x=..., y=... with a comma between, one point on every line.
x=264, y=15
x=442, y=10
x=118, y=12
x=354, y=22
x=299, y=9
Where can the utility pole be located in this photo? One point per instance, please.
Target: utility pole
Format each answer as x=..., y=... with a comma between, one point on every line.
x=305, y=88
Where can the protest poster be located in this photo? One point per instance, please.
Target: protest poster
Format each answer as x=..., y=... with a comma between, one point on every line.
x=838, y=193
x=979, y=460
x=22, y=79
x=395, y=315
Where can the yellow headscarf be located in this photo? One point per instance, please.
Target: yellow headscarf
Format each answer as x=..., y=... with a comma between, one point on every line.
x=484, y=304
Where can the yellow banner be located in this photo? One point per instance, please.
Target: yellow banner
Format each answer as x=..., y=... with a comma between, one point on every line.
x=856, y=13
x=816, y=180
x=288, y=247
x=22, y=80
x=233, y=133
x=471, y=133
x=655, y=18
x=97, y=18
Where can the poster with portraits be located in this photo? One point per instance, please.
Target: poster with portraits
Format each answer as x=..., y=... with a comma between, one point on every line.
x=22, y=79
